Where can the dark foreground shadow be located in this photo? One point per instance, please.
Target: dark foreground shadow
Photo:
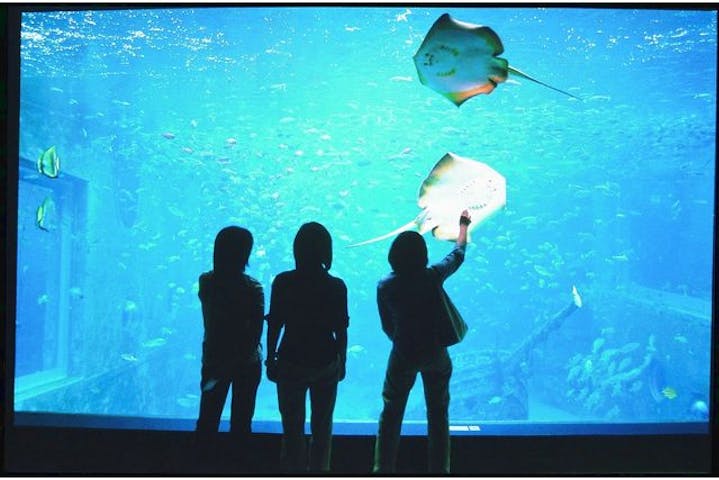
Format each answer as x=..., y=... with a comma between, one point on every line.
x=42, y=450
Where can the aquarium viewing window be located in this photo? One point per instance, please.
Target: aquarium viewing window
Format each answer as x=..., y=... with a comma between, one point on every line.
x=144, y=131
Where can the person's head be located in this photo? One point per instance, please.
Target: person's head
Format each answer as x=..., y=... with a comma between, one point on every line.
x=408, y=253
x=313, y=247
x=232, y=250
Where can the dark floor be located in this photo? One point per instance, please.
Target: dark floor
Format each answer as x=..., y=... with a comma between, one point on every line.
x=41, y=450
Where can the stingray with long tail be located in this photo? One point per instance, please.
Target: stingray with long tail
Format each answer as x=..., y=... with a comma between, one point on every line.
x=455, y=183
x=459, y=60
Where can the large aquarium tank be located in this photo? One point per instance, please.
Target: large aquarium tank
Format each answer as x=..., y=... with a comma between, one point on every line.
x=587, y=291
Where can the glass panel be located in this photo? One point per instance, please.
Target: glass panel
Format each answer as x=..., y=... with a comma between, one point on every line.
x=37, y=325
x=183, y=121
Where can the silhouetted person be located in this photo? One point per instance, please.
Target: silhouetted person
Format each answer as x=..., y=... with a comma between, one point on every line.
x=233, y=306
x=311, y=306
x=408, y=303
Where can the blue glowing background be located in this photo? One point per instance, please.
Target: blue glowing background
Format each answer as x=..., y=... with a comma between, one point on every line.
x=172, y=123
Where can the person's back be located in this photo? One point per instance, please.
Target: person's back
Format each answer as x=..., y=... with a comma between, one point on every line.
x=232, y=319
x=412, y=301
x=409, y=304
x=312, y=305
x=232, y=311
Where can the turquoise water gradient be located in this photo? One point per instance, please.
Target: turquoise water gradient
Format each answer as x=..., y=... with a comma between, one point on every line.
x=173, y=123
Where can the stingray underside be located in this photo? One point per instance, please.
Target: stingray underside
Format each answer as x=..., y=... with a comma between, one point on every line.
x=457, y=183
x=460, y=60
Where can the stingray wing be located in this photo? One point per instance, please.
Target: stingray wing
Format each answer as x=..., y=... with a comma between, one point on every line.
x=456, y=183
x=459, y=60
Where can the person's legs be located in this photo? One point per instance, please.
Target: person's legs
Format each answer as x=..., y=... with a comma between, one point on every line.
x=291, y=398
x=398, y=382
x=214, y=393
x=244, y=392
x=323, y=395
x=435, y=377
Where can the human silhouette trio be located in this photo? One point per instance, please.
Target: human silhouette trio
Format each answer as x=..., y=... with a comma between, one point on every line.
x=308, y=308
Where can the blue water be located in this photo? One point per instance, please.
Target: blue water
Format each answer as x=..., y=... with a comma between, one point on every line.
x=173, y=123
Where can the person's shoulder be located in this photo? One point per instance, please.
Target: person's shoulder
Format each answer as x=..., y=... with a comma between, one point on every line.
x=204, y=284
x=284, y=277
x=205, y=278
x=387, y=280
x=336, y=281
x=253, y=283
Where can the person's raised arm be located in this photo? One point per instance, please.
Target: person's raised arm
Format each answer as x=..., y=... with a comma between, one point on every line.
x=464, y=221
x=454, y=259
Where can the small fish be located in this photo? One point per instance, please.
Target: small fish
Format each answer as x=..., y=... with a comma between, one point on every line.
x=529, y=220
x=231, y=141
x=43, y=299
x=168, y=135
x=130, y=306
x=624, y=364
x=669, y=393
x=49, y=163
x=43, y=214
x=175, y=211
x=680, y=339
x=700, y=409
x=128, y=357
x=186, y=402
x=402, y=17
x=542, y=271
x=356, y=350
x=675, y=210
x=629, y=348
x=495, y=400
x=155, y=342
x=576, y=298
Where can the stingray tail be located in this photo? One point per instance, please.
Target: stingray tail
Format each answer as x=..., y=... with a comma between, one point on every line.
x=524, y=75
x=401, y=229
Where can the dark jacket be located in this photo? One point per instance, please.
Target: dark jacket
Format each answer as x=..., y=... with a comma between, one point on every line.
x=311, y=306
x=233, y=313
x=409, y=305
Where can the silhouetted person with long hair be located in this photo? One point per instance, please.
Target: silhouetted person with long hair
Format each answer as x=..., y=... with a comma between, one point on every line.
x=311, y=306
x=233, y=306
x=408, y=303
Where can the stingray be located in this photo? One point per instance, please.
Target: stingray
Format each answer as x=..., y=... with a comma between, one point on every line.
x=454, y=184
x=460, y=60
